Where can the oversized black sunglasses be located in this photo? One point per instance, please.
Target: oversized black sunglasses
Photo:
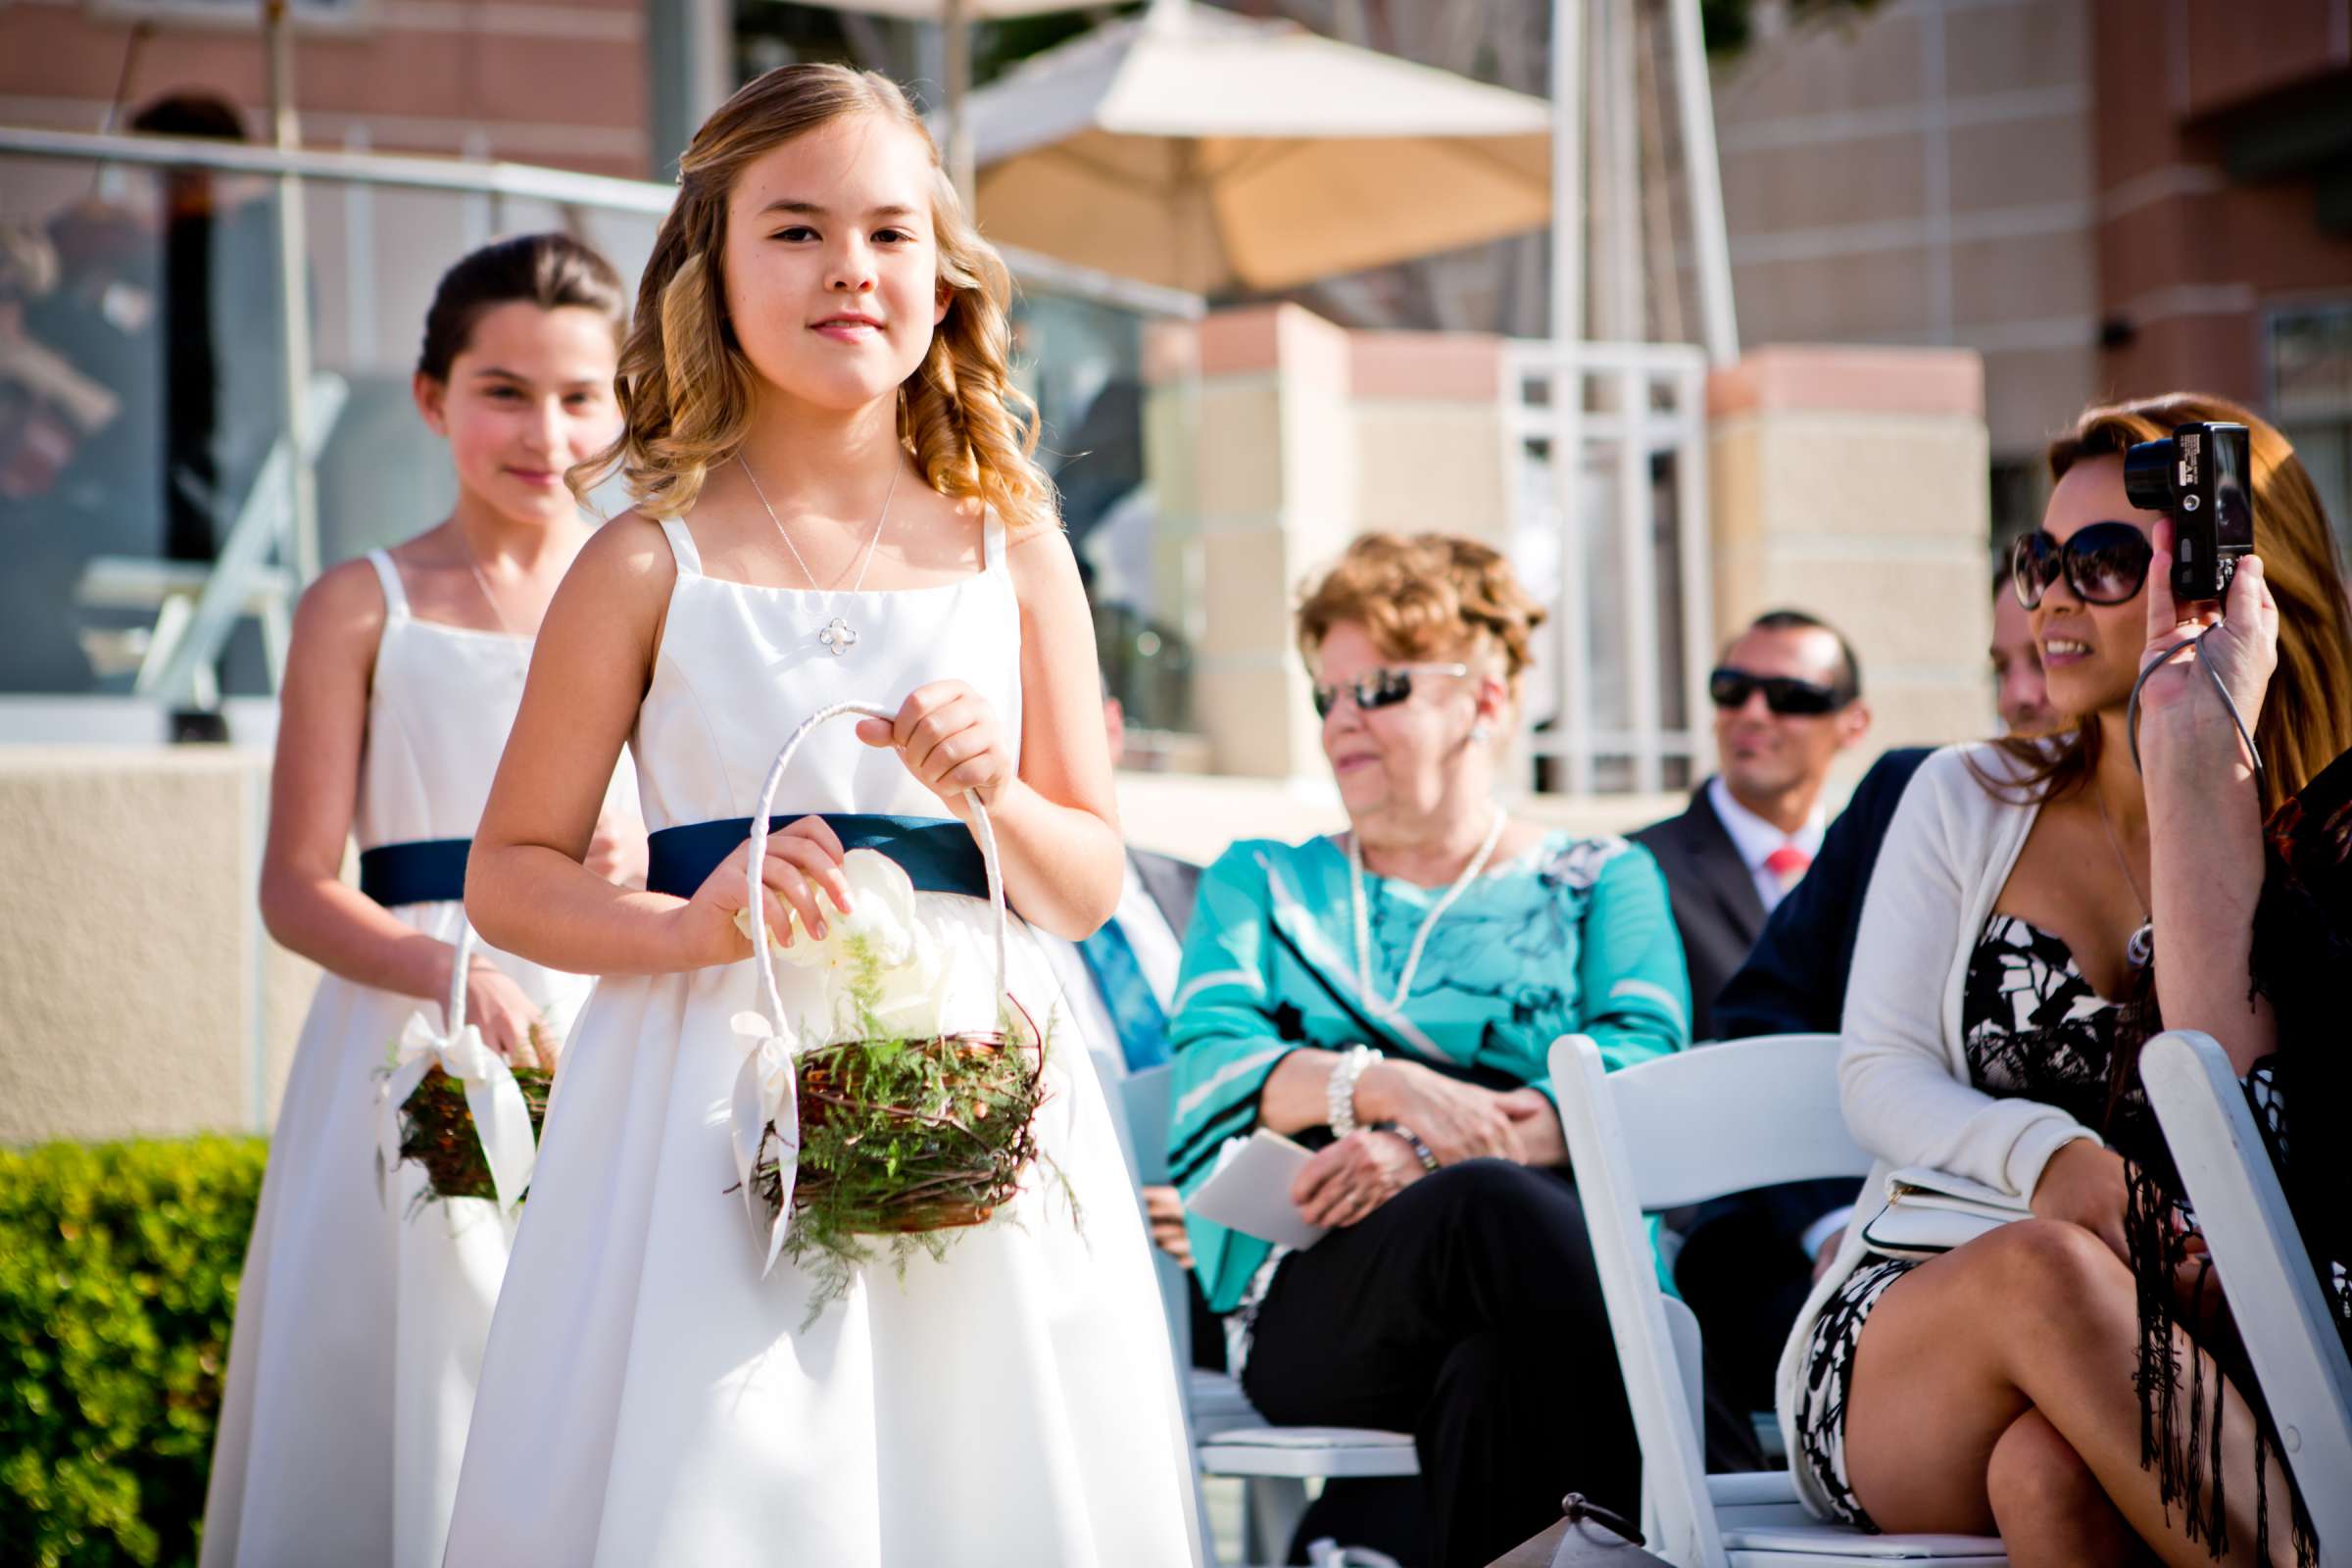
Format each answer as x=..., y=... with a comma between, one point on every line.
x=1784, y=694
x=1380, y=688
x=2105, y=564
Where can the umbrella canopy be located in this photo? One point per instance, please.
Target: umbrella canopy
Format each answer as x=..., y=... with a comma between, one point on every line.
x=1204, y=151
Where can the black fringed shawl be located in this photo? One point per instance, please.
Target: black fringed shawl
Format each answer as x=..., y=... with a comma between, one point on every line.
x=2301, y=963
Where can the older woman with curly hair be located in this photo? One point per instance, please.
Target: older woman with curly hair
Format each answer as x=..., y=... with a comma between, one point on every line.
x=1387, y=995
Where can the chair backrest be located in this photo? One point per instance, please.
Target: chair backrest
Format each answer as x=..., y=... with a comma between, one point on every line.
x=1146, y=1097
x=1740, y=1113
x=2281, y=1312
x=1681, y=1129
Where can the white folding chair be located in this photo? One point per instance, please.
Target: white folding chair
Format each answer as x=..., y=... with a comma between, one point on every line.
x=2280, y=1310
x=1229, y=1437
x=1676, y=1131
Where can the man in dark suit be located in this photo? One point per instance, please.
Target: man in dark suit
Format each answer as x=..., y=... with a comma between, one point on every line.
x=1787, y=694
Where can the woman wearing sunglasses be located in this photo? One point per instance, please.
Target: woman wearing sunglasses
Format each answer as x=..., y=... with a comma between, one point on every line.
x=1387, y=995
x=2041, y=909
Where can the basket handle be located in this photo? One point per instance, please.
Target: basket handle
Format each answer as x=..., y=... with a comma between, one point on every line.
x=452, y=1016
x=756, y=902
x=502, y=1120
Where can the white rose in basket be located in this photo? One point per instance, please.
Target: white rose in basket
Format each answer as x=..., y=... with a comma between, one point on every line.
x=883, y=969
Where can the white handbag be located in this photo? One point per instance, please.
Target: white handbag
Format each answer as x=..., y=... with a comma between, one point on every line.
x=1929, y=1212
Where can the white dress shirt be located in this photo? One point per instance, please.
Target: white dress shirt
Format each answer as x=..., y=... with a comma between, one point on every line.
x=1756, y=838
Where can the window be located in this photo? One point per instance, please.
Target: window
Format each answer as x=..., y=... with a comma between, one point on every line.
x=2311, y=398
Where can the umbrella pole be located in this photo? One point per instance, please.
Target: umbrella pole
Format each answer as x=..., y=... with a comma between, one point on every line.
x=957, y=36
x=1695, y=98
x=1574, y=721
x=293, y=290
x=1567, y=172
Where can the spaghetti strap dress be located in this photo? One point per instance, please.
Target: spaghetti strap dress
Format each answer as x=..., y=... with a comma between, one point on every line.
x=650, y=1398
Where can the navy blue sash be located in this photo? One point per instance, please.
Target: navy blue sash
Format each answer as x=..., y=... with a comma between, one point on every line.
x=937, y=852
x=421, y=871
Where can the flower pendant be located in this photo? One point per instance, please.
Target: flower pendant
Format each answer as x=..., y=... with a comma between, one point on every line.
x=2141, y=950
x=837, y=637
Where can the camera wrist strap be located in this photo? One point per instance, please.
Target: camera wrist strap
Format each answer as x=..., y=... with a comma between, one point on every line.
x=2197, y=644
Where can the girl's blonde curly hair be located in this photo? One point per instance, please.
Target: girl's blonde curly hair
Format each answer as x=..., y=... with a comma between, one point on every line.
x=685, y=387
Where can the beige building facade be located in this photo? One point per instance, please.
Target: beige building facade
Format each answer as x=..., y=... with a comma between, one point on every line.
x=2103, y=198
x=1927, y=176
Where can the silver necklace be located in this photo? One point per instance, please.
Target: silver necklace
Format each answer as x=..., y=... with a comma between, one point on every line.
x=1429, y=922
x=474, y=565
x=837, y=636
x=2141, y=948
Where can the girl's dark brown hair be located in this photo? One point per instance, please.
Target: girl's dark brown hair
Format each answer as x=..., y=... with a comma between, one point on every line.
x=550, y=271
x=2306, y=719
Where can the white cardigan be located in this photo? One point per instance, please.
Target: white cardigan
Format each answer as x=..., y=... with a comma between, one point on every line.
x=1902, y=1074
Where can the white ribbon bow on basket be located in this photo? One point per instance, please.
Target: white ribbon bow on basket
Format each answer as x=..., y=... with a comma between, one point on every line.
x=766, y=1087
x=501, y=1120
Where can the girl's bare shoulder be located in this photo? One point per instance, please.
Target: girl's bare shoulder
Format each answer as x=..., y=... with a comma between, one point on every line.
x=342, y=610
x=1042, y=562
x=628, y=559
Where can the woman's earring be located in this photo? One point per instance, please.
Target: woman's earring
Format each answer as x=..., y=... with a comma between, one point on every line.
x=1479, y=732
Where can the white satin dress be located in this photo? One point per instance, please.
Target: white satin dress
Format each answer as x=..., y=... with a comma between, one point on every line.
x=649, y=1398
x=361, y=1318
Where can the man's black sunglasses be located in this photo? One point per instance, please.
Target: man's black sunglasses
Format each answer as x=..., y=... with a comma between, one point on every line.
x=1785, y=695
x=2105, y=564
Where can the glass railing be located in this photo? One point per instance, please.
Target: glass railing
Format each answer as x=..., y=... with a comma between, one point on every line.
x=155, y=537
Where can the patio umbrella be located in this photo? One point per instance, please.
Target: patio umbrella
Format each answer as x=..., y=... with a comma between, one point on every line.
x=1205, y=151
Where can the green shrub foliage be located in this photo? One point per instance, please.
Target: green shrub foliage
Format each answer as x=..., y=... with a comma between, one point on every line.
x=117, y=1282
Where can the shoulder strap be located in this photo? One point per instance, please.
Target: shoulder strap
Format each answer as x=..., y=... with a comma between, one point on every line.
x=681, y=545
x=396, y=598
x=992, y=534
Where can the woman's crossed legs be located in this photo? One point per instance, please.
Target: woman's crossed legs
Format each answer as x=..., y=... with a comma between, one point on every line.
x=1994, y=1390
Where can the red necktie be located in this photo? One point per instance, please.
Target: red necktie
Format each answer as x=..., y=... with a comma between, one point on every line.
x=1788, y=864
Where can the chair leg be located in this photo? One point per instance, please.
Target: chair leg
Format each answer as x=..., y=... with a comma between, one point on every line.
x=1272, y=1506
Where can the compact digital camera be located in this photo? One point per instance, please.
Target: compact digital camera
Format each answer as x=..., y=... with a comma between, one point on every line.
x=2203, y=476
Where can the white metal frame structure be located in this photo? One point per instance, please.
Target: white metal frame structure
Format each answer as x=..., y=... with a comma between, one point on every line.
x=1621, y=409
x=195, y=607
x=2281, y=1310
x=1680, y=1130
x=1620, y=405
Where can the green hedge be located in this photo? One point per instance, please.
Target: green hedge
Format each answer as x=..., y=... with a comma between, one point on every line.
x=117, y=1281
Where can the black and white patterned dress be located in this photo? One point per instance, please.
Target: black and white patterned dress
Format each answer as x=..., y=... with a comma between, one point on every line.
x=2032, y=1029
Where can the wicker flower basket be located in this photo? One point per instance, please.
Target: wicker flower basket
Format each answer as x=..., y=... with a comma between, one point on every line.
x=438, y=1132
x=879, y=1138
x=881, y=1167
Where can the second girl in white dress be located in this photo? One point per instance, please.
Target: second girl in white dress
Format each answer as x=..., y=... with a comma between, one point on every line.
x=362, y=1313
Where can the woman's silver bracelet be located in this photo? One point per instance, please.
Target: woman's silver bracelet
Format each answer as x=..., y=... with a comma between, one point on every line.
x=1339, y=1090
x=1421, y=1150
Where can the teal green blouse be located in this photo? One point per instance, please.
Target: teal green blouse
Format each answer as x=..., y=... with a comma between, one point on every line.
x=1574, y=938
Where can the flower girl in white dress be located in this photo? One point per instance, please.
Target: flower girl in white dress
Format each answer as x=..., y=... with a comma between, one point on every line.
x=362, y=1313
x=835, y=505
